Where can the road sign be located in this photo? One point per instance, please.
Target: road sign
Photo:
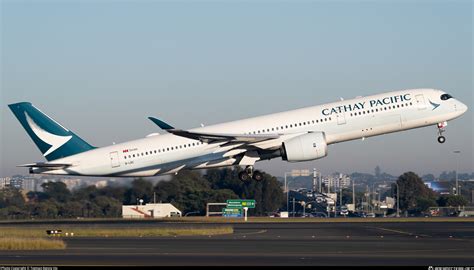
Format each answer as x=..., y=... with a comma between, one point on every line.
x=297, y=173
x=231, y=212
x=240, y=204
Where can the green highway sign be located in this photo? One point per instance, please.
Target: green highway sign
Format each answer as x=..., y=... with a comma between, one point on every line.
x=239, y=204
x=231, y=212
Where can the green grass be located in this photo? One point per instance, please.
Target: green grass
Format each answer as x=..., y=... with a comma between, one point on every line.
x=22, y=243
x=115, y=232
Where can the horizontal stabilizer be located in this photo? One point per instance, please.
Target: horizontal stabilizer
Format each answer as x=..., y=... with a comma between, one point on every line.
x=46, y=165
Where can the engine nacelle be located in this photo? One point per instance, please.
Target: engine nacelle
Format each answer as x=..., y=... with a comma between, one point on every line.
x=306, y=147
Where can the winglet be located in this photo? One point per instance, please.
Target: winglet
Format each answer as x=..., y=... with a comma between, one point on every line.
x=160, y=123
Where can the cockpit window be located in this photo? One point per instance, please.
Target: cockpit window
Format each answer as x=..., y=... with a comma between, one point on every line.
x=446, y=96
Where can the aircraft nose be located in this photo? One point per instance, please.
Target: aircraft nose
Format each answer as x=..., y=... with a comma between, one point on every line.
x=461, y=107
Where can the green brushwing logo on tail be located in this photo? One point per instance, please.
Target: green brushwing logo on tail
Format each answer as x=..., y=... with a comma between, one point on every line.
x=53, y=140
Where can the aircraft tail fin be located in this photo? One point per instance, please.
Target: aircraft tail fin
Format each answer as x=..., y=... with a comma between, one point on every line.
x=54, y=140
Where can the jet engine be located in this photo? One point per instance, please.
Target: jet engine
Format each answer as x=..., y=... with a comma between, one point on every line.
x=305, y=147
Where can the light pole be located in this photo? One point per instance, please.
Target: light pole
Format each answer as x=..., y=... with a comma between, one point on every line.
x=294, y=173
x=353, y=195
x=398, y=200
x=457, y=168
x=286, y=190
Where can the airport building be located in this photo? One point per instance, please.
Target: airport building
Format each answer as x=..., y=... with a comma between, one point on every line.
x=156, y=210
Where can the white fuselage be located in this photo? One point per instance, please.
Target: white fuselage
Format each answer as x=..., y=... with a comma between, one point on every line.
x=340, y=121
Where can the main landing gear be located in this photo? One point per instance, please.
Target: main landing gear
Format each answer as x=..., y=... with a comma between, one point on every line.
x=441, y=129
x=249, y=173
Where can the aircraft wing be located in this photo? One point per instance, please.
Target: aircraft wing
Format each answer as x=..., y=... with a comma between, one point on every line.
x=215, y=137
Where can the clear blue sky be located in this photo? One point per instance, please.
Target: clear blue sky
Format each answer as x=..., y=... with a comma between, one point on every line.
x=102, y=67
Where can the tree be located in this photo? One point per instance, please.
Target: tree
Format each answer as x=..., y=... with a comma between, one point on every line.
x=423, y=204
x=110, y=207
x=117, y=193
x=413, y=192
x=71, y=209
x=140, y=190
x=11, y=197
x=85, y=193
x=267, y=193
x=190, y=192
x=13, y=212
x=47, y=209
x=452, y=201
x=57, y=191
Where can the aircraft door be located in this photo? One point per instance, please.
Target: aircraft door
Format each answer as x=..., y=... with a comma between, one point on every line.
x=420, y=102
x=341, y=118
x=114, y=159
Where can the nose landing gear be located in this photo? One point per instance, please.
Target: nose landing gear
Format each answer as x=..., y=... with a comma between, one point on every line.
x=442, y=128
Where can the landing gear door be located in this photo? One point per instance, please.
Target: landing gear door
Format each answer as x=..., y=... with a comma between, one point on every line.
x=114, y=160
x=341, y=118
x=420, y=102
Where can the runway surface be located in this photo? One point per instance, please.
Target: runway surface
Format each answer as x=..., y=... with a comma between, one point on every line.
x=345, y=244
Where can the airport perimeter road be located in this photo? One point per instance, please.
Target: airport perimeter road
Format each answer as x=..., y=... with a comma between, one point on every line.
x=349, y=244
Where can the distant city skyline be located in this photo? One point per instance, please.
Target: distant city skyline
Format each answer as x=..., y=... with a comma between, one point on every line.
x=101, y=68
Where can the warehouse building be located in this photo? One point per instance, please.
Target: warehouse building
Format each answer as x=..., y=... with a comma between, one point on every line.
x=157, y=210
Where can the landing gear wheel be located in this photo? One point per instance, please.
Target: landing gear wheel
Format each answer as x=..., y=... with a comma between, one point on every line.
x=257, y=176
x=441, y=139
x=441, y=129
x=244, y=176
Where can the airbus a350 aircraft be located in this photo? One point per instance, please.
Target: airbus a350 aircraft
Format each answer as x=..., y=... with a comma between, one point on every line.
x=297, y=135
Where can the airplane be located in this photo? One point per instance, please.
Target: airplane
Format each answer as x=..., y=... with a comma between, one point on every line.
x=294, y=136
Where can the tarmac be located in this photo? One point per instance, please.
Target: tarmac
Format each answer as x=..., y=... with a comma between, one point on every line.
x=272, y=244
